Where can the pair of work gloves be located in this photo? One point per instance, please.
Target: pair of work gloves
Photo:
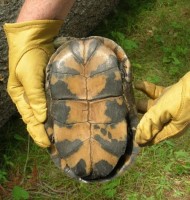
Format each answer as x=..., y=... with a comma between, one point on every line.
x=30, y=47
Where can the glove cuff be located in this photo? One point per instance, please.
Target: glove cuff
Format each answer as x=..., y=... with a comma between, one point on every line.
x=25, y=33
x=186, y=77
x=25, y=36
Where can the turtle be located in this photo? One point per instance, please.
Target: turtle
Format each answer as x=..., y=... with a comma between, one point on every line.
x=92, y=117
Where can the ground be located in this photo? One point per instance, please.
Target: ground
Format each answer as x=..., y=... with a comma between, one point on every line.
x=155, y=36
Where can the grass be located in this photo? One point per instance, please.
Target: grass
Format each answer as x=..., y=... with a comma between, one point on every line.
x=155, y=35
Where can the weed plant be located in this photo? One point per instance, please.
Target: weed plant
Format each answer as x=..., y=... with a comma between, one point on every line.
x=156, y=37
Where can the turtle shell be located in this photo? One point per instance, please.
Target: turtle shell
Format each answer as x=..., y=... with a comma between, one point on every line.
x=92, y=116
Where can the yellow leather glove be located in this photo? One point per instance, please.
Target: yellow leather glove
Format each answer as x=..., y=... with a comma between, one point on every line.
x=30, y=47
x=168, y=114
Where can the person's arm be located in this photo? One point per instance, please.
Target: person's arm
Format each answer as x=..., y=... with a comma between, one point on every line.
x=30, y=43
x=44, y=9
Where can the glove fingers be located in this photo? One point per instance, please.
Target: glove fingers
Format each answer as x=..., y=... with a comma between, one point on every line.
x=38, y=133
x=168, y=131
x=151, y=90
x=143, y=105
x=37, y=101
x=35, y=128
x=151, y=124
x=17, y=95
x=31, y=75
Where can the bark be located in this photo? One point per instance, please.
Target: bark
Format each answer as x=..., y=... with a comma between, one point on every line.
x=83, y=18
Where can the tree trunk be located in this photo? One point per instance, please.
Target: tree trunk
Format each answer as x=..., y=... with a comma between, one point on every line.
x=83, y=18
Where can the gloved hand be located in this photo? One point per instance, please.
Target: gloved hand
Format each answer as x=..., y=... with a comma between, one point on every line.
x=30, y=46
x=168, y=114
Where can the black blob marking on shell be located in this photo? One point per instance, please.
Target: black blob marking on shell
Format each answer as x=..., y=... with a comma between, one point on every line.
x=60, y=90
x=66, y=148
x=92, y=48
x=109, y=135
x=60, y=67
x=61, y=125
x=113, y=125
x=96, y=126
x=114, y=147
x=115, y=111
x=110, y=63
x=60, y=111
x=74, y=47
x=103, y=131
x=80, y=168
x=113, y=87
x=102, y=169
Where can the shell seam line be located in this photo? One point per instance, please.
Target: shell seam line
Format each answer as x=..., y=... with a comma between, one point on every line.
x=89, y=100
x=64, y=124
x=87, y=77
x=84, y=65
